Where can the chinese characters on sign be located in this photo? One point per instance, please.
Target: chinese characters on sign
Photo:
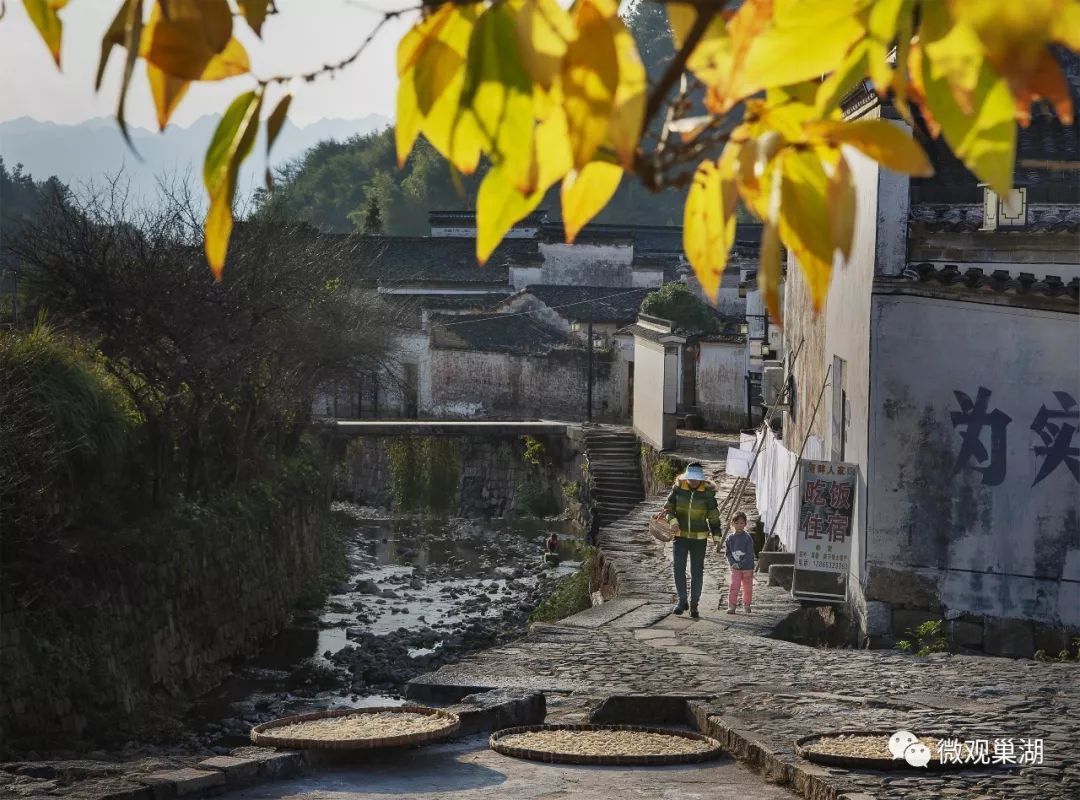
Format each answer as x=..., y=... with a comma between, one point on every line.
x=823, y=544
x=985, y=751
x=983, y=430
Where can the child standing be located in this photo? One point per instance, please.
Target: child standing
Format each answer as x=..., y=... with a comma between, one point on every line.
x=740, y=556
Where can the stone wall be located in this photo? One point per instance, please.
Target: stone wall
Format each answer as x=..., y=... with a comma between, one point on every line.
x=492, y=385
x=138, y=622
x=493, y=473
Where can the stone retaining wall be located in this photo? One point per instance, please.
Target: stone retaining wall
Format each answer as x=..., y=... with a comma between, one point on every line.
x=133, y=624
x=493, y=474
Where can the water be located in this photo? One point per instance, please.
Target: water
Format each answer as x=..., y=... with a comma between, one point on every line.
x=408, y=579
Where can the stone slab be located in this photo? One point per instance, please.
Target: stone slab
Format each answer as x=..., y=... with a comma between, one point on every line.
x=182, y=782
x=238, y=771
x=499, y=708
x=602, y=614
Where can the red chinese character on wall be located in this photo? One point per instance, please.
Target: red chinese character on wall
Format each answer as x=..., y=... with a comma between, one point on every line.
x=840, y=495
x=837, y=527
x=815, y=527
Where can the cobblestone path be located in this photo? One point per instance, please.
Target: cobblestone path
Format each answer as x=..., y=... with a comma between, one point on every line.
x=766, y=693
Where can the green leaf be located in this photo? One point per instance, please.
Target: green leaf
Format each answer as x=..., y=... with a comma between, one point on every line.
x=231, y=144
x=276, y=120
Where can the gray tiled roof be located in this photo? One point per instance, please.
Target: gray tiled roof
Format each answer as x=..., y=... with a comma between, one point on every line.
x=956, y=217
x=501, y=333
x=589, y=303
x=447, y=260
x=996, y=282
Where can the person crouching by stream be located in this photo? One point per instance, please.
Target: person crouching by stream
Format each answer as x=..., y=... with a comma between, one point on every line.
x=692, y=511
x=740, y=555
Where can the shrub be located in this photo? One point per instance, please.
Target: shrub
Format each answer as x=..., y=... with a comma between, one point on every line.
x=535, y=453
x=678, y=303
x=571, y=489
x=66, y=436
x=927, y=638
x=665, y=471
x=571, y=594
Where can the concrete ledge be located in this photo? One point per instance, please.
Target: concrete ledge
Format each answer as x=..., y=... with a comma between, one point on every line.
x=781, y=575
x=768, y=558
x=181, y=782
x=809, y=780
x=630, y=709
x=499, y=708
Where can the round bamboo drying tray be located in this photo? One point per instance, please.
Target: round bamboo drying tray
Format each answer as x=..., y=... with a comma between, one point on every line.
x=264, y=734
x=803, y=748
x=498, y=744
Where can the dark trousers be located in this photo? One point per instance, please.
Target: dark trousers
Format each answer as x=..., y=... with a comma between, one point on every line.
x=695, y=548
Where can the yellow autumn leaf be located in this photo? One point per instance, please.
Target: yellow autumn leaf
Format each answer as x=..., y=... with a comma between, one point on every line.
x=585, y=193
x=431, y=70
x=543, y=31
x=254, y=13
x=230, y=145
x=804, y=219
x=769, y=272
x=1049, y=83
x=166, y=91
x=837, y=86
x=709, y=225
x=43, y=13
x=881, y=140
x=712, y=58
x=953, y=52
x=194, y=41
x=984, y=141
x=821, y=32
x=629, y=114
x=590, y=79
x=499, y=205
x=883, y=23
x=497, y=96
x=840, y=200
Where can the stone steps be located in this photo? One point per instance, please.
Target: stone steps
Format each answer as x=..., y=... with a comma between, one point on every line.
x=615, y=472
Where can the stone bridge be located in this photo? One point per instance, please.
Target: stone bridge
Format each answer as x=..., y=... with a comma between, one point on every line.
x=351, y=428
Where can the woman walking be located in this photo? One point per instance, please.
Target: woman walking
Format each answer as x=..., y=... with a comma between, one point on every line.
x=692, y=511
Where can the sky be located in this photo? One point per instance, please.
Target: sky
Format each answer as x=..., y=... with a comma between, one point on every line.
x=305, y=35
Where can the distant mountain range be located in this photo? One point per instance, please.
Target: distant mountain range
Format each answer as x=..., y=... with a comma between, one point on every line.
x=93, y=149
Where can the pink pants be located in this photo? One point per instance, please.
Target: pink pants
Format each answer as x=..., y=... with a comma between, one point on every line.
x=745, y=579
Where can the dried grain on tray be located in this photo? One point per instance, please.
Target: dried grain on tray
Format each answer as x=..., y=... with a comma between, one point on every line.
x=605, y=742
x=361, y=726
x=864, y=746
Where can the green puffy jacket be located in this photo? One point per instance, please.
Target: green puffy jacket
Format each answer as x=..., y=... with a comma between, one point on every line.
x=695, y=510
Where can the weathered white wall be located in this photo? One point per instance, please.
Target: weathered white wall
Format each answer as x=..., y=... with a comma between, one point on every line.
x=538, y=310
x=520, y=277
x=649, y=391
x=587, y=264
x=1005, y=550
x=721, y=385
x=847, y=336
x=476, y=384
x=647, y=278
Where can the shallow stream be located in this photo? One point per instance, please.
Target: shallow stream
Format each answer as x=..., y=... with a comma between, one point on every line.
x=418, y=593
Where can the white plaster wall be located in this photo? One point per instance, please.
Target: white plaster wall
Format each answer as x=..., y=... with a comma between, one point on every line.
x=721, y=385
x=649, y=391
x=647, y=278
x=539, y=311
x=1007, y=550
x=520, y=277
x=587, y=264
x=847, y=336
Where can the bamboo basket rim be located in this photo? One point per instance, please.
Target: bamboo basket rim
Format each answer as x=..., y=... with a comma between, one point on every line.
x=262, y=735
x=871, y=762
x=654, y=760
x=661, y=530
